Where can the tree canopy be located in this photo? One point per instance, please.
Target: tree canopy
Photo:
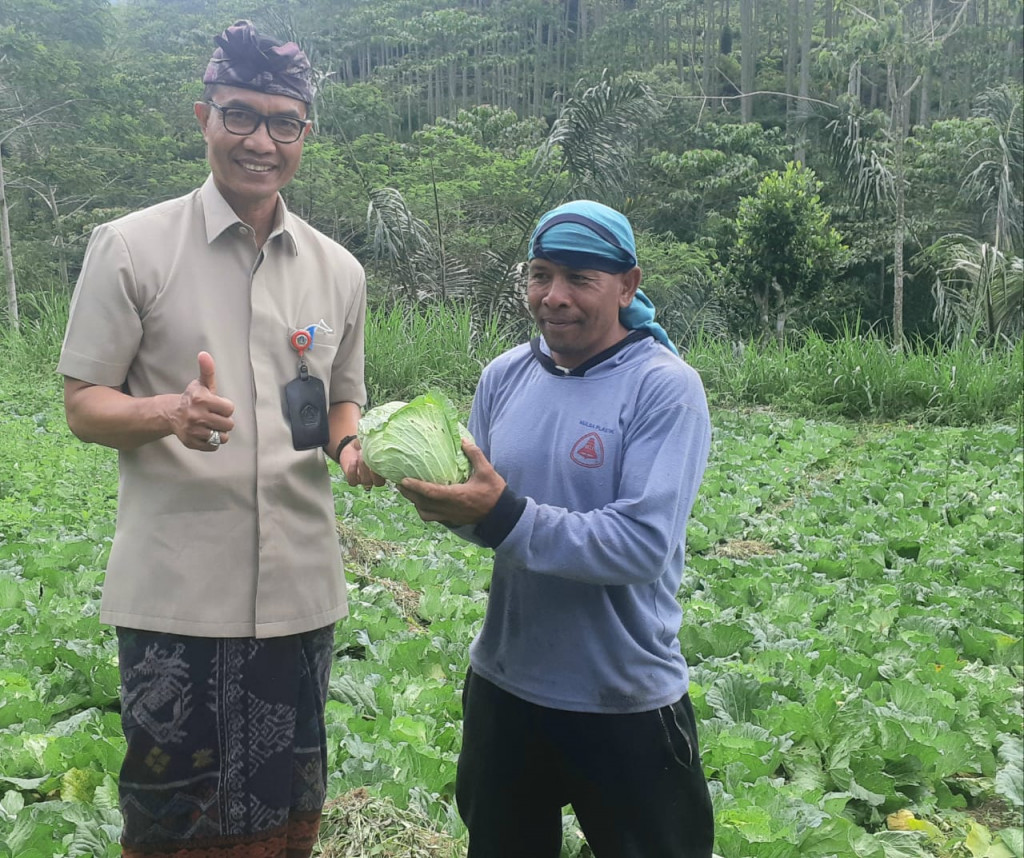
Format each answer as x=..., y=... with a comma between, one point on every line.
x=443, y=129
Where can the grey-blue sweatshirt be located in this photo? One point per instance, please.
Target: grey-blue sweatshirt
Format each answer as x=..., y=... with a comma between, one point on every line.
x=602, y=467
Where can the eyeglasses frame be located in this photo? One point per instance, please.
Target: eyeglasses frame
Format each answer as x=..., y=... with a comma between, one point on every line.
x=262, y=119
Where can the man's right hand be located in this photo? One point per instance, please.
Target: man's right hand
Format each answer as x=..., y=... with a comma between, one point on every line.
x=462, y=503
x=200, y=411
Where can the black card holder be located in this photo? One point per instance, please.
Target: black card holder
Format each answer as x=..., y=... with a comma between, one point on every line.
x=306, y=405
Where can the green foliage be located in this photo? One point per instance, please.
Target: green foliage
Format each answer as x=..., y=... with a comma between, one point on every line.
x=481, y=116
x=852, y=617
x=410, y=350
x=996, y=165
x=978, y=290
x=785, y=248
x=696, y=172
x=861, y=377
x=498, y=130
x=679, y=279
x=350, y=111
x=595, y=134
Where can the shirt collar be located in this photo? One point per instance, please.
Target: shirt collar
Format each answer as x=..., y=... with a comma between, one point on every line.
x=221, y=217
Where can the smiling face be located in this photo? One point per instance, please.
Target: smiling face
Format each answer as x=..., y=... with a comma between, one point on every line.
x=249, y=170
x=577, y=310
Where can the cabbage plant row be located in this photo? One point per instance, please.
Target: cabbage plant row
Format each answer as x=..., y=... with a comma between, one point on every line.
x=853, y=618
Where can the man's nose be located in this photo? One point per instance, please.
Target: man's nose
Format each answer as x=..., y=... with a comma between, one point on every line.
x=558, y=293
x=260, y=138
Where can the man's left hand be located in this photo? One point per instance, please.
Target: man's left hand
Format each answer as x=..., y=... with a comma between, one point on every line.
x=463, y=503
x=356, y=471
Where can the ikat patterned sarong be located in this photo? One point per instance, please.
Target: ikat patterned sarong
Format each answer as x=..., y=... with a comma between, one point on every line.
x=227, y=756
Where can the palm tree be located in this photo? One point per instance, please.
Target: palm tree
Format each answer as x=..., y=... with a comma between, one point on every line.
x=979, y=286
x=978, y=290
x=594, y=139
x=996, y=165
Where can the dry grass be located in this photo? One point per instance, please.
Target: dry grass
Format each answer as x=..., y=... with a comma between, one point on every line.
x=361, y=825
x=362, y=550
x=362, y=553
x=742, y=549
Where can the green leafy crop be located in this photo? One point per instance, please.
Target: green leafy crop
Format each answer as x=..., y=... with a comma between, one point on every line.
x=421, y=439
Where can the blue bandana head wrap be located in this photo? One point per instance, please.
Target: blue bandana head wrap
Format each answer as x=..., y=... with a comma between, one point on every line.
x=245, y=58
x=586, y=235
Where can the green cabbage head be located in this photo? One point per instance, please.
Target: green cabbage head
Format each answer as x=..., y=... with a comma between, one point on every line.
x=421, y=439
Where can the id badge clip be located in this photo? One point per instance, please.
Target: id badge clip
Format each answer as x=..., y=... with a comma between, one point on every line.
x=306, y=402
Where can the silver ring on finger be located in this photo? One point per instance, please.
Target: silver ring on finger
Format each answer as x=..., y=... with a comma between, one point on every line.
x=214, y=439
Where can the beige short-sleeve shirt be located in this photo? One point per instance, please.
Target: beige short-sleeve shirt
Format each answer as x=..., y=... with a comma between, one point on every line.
x=241, y=542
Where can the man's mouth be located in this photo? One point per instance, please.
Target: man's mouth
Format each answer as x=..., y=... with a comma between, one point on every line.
x=250, y=167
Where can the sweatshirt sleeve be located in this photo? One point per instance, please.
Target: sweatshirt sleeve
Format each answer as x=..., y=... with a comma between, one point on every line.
x=499, y=521
x=632, y=539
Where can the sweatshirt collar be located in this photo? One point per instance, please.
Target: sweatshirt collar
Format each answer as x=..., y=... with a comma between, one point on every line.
x=545, y=360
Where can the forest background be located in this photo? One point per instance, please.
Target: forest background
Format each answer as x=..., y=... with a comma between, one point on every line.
x=789, y=165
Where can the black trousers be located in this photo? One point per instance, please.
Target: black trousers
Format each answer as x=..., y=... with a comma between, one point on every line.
x=635, y=782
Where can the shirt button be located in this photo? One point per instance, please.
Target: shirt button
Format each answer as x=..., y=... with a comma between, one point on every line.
x=243, y=230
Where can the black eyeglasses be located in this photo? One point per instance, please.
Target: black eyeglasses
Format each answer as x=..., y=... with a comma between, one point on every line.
x=243, y=121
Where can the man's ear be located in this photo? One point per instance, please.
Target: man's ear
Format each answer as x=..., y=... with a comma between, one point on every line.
x=630, y=283
x=202, y=112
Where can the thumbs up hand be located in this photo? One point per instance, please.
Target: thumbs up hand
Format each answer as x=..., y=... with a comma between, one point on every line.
x=206, y=372
x=202, y=419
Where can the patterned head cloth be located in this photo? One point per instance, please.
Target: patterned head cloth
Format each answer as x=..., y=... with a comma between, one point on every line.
x=584, y=234
x=245, y=58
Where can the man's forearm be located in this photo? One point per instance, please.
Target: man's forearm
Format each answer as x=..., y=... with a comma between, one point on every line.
x=103, y=415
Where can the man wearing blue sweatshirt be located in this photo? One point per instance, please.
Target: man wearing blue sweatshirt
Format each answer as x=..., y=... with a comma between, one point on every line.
x=593, y=440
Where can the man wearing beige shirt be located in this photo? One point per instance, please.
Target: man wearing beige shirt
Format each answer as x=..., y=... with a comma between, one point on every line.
x=216, y=341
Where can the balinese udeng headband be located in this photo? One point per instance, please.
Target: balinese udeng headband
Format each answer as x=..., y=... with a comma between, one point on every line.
x=584, y=234
x=245, y=58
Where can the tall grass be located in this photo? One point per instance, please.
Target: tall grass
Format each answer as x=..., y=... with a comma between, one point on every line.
x=863, y=377
x=411, y=349
x=43, y=316
x=28, y=357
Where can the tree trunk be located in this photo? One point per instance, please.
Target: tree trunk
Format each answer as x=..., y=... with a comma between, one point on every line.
x=792, y=46
x=781, y=313
x=5, y=239
x=899, y=99
x=897, y=262
x=58, y=232
x=453, y=108
x=710, y=39
x=540, y=54
x=805, y=76
x=747, y=60
x=924, y=111
x=853, y=86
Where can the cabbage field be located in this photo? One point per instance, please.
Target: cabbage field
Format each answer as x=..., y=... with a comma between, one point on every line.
x=854, y=618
